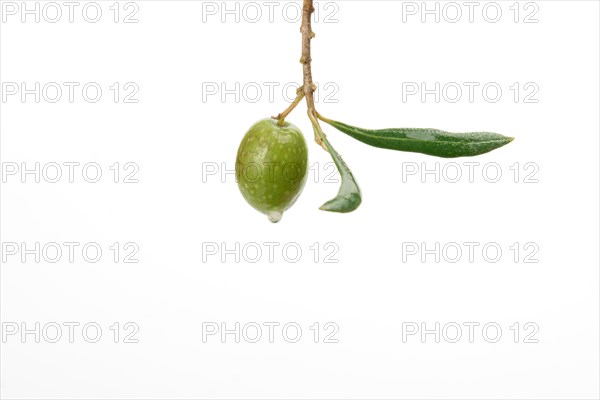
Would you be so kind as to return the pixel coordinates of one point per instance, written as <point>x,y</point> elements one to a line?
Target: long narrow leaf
<point>433,142</point>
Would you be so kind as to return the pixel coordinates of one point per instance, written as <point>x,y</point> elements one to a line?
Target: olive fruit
<point>271,167</point>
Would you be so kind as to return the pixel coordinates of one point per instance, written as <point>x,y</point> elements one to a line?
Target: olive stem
<point>281,117</point>
<point>322,118</point>
<point>305,60</point>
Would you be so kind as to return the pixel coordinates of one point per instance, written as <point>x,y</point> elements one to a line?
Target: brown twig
<point>309,86</point>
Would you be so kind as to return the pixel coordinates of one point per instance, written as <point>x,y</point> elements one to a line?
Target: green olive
<point>272,166</point>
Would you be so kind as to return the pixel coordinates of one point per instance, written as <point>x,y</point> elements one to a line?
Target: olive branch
<point>433,142</point>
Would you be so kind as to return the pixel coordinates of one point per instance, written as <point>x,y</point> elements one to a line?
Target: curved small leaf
<point>349,197</point>
<point>433,142</point>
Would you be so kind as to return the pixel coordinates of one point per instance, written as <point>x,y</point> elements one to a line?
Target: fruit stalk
<point>309,86</point>
<point>281,117</point>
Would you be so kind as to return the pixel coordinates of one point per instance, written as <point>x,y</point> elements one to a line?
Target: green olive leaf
<point>348,198</point>
<point>433,142</point>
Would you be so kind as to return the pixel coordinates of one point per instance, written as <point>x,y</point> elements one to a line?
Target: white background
<point>173,136</point>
